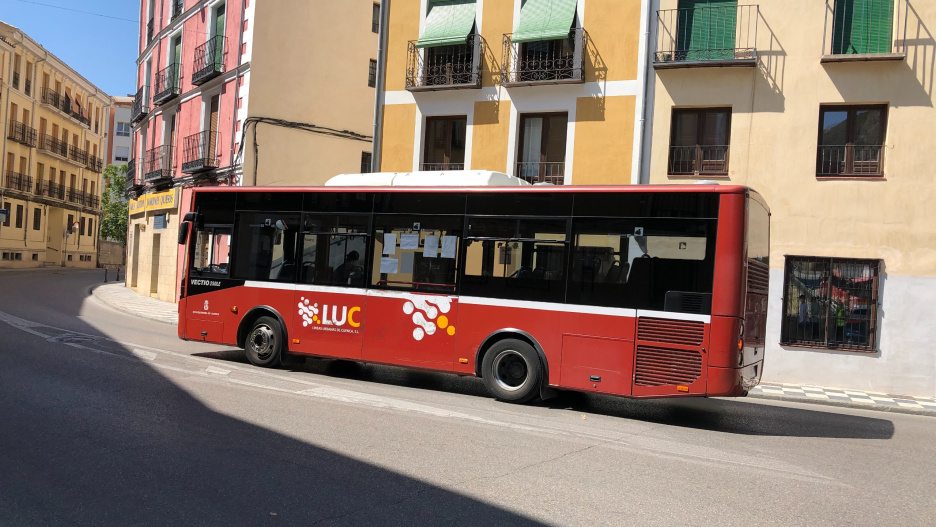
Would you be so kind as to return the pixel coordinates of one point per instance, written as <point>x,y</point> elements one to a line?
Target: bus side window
<point>416,253</point>
<point>265,246</point>
<point>334,249</point>
<point>212,249</point>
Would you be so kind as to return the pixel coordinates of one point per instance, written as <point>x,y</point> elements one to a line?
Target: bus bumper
<point>733,382</point>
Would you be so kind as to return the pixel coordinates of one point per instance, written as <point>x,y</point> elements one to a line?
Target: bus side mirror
<point>183,232</point>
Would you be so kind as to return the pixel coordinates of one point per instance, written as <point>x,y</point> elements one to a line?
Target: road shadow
<point>744,417</point>
<point>91,435</point>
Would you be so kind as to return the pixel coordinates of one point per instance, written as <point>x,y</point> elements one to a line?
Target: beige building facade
<point>828,114</point>
<point>54,139</point>
<point>546,90</point>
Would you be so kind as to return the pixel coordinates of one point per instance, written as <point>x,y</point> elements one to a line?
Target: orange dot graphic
<point>451,330</point>
<point>442,321</point>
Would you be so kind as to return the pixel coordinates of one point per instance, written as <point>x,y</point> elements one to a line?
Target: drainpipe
<point>237,73</point>
<point>645,92</point>
<point>379,96</point>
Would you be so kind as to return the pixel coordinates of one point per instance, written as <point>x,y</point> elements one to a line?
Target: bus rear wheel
<point>511,371</point>
<point>264,342</point>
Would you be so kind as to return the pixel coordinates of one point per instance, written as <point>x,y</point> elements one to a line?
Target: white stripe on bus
<point>499,302</point>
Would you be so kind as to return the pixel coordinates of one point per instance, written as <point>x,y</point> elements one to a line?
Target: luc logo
<point>206,305</point>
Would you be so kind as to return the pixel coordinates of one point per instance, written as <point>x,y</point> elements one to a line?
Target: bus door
<point>411,308</point>
<point>328,318</point>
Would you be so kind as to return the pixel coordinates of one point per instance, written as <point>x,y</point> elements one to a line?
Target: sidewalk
<point>126,300</point>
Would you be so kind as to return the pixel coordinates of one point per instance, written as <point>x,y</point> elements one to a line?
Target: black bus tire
<point>511,371</point>
<point>264,343</point>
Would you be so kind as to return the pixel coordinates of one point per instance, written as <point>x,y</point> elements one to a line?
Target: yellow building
<point>54,141</point>
<point>546,90</point>
<point>826,108</point>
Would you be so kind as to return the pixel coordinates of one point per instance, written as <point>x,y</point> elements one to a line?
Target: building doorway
<point>154,269</point>
<point>135,257</point>
<point>55,236</point>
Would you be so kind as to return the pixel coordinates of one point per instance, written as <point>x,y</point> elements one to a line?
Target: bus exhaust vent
<point>688,302</point>
<point>758,277</point>
<point>685,332</point>
<point>664,367</point>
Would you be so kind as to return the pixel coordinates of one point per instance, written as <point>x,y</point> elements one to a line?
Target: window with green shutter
<point>862,27</point>
<point>706,29</point>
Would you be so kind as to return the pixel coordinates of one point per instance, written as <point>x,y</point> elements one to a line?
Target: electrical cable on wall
<point>307,127</point>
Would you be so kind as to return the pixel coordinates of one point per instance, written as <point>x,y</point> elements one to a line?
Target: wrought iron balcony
<point>209,60</point>
<point>707,36</point>
<point>445,67</point>
<point>16,181</point>
<point>158,165</point>
<point>77,155</point>
<point>22,134</point>
<point>198,152</point>
<point>74,195</point>
<point>536,172</point>
<point>177,8</point>
<point>53,190</point>
<point>166,84</point>
<point>53,145</point>
<point>441,166</point>
<point>131,176</point>
<point>27,87</point>
<point>64,104</point>
<point>140,108</point>
<point>850,161</point>
<point>95,164</point>
<point>546,61</point>
<point>149,31</point>
<point>16,77</point>
<point>699,160</point>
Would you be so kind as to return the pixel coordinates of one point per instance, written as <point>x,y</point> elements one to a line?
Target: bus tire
<point>264,343</point>
<point>511,371</point>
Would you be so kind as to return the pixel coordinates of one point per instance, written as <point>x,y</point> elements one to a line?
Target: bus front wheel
<point>511,371</point>
<point>264,342</point>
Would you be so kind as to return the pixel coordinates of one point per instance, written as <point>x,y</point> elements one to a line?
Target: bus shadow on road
<point>744,417</point>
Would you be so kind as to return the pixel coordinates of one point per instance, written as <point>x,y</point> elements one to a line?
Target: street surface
<point>107,419</point>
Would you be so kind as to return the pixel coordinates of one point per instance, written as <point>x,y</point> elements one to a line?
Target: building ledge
<point>862,57</point>
<point>676,64</point>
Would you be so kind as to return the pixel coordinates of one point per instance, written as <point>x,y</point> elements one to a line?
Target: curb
<point>843,404</point>
<point>142,314</point>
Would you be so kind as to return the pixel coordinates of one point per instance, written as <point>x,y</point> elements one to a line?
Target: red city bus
<point>634,291</point>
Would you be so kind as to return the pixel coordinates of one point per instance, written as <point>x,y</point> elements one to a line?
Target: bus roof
<point>687,188</point>
<point>428,178</point>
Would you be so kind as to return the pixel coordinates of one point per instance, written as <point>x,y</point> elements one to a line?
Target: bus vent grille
<point>662,366</point>
<point>684,332</point>
<point>758,277</point>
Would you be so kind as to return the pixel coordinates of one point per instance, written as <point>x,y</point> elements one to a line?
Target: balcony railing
<point>53,190</point>
<point>53,145</point>
<point>23,134</point>
<point>536,172</point>
<point>77,155</point>
<point>209,60</point>
<point>442,166</point>
<point>699,160</point>
<point>16,77</point>
<point>131,175</point>
<point>140,108</point>
<point>545,61</point>
<point>158,165</point>
<point>95,164</point>
<point>705,36</point>
<point>198,152</point>
<point>445,67</point>
<point>149,31</point>
<point>166,84</point>
<point>63,104</point>
<point>16,181</point>
<point>850,161</point>
<point>27,87</point>
<point>177,8</point>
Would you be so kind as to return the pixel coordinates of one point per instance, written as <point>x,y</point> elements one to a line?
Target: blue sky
<point>103,50</point>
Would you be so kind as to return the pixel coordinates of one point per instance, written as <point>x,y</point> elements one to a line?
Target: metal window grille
<point>830,303</point>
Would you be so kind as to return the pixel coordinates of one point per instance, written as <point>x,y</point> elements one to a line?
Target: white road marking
<point>143,354</point>
<point>217,370</point>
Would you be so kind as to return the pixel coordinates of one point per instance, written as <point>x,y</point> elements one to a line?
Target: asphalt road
<point>106,419</point>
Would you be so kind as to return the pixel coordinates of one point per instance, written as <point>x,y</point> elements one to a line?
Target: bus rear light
<point>740,344</point>
<point>463,361</point>
<point>295,341</point>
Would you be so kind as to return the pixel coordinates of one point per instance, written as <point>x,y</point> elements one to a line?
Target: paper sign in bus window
<point>448,246</point>
<point>431,249</point>
<point>389,243</point>
<point>389,265</point>
<point>409,242</point>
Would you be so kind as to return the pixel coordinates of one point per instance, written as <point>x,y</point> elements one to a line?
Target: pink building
<point>193,74</point>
